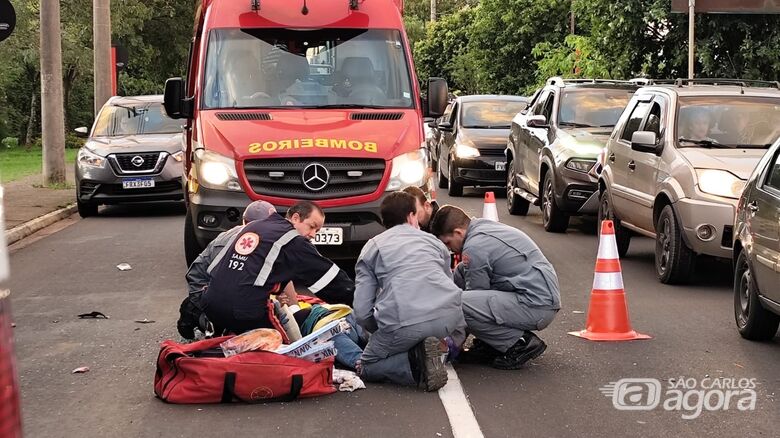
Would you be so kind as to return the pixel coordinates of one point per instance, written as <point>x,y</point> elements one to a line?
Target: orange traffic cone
<point>608,312</point>
<point>489,210</point>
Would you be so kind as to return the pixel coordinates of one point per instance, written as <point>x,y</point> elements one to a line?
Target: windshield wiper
<point>477,127</point>
<point>753,146</point>
<point>704,143</point>
<point>344,106</point>
<point>575,124</point>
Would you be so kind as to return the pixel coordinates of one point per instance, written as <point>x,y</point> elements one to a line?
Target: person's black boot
<point>427,364</point>
<point>527,348</point>
<point>480,352</point>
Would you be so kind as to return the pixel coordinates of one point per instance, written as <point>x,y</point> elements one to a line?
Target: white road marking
<point>462,420</point>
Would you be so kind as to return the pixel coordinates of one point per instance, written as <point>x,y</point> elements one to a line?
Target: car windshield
<point>728,121</point>
<point>322,68</point>
<point>593,107</point>
<point>491,114</point>
<point>134,119</point>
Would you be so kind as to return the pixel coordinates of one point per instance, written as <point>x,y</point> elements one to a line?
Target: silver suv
<point>677,162</point>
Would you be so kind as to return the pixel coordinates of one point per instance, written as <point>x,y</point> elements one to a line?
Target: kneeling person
<point>510,289</point>
<point>405,296</point>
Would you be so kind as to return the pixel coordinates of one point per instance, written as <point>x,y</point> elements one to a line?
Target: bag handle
<point>229,391</point>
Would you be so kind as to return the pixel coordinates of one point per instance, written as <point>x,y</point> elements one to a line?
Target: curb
<point>19,232</point>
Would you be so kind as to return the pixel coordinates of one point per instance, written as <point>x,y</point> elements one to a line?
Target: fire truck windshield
<point>321,68</point>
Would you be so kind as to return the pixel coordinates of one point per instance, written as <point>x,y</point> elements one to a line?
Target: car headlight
<point>410,169</point>
<point>720,183</point>
<point>90,159</point>
<point>216,171</point>
<point>466,151</point>
<point>580,164</point>
<point>178,156</point>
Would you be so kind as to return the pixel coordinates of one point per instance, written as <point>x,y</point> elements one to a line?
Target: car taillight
<point>10,409</point>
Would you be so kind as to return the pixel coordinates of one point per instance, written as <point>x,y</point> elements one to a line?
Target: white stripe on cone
<point>608,281</point>
<point>489,211</point>
<point>608,247</point>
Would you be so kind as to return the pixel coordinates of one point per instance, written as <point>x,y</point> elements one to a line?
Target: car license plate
<point>137,183</point>
<point>329,236</point>
<point>500,166</point>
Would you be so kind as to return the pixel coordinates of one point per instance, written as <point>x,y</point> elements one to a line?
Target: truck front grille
<point>147,162</point>
<point>283,178</point>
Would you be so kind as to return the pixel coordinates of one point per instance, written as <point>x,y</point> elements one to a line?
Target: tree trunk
<point>31,122</point>
<point>433,10</point>
<point>52,118</point>
<point>71,74</point>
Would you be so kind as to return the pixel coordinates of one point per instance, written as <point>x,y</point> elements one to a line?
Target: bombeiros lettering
<point>307,143</point>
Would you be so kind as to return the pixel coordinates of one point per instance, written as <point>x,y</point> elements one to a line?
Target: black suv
<point>554,145</point>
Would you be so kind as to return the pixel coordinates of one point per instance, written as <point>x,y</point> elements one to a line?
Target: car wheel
<point>192,248</point>
<point>753,320</point>
<point>553,218</point>
<point>86,209</point>
<point>455,188</point>
<point>517,205</point>
<point>674,261</point>
<point>442,179</point>
<point>622,235</point>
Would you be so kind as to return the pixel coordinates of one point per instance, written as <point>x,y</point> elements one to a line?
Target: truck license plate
<point>329,236</point>
<point>500,166</point>
<point>137,183</point>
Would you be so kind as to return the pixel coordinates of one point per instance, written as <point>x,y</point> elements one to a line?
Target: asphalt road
<point>72,270</point>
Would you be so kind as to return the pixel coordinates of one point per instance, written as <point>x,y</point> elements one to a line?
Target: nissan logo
<point>315,177</point>
<point>137,161</point>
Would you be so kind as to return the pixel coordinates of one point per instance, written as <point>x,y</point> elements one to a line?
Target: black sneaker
<point>426,360</point>
<point>480,352</point>
<point>527,348</point>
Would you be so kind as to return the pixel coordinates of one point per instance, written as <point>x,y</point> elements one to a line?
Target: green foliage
<point>10,142</point>
<point>17,163</point>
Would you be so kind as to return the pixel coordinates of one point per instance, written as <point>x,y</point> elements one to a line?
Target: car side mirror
<point>437,97</point>
<point>176,105</point>
<point>646,141</point>
<point>445,126</point>
<point>433,124</point>
<point>537,122</point>
<point>82,132</point>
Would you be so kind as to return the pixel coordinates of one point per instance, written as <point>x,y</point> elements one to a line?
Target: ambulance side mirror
<point>176,105</point>
<point>437,97</point>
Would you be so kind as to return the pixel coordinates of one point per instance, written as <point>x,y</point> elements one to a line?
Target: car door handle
<point>753,207</point>
<point>632,165</point>
<point>612,158</point>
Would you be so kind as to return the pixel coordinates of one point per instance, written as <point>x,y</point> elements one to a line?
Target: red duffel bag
<point>199,373</point>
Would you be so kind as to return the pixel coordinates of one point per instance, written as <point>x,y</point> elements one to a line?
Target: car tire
<point>554,219</point>
<point>754,322</point>
<point>517,205</point>
<point>442,179</point>
<point>454,188</point>
<point>674,261</point>
<point>192,248</point>
<point>606,212</point>
<point>86,209</point>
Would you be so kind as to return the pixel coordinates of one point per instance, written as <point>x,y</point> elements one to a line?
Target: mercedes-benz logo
<point>315,177</point>
<point>137,161</point>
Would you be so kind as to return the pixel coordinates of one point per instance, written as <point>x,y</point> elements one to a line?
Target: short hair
<point>447,219</point>
<point>417,193</point>
<point>304,209</point>
<point>258,211</point>
<point>396,207</point>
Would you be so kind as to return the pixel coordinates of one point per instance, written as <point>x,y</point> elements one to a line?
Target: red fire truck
<point>289,100</point>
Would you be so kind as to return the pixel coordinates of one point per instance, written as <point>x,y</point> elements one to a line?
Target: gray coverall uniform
<point>509,286</point>
<point>404,293</point>
<point>197,276</point>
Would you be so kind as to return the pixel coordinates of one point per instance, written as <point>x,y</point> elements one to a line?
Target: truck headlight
<point>466,151</point>
<point>90,159</point>
<point>216,171</point>
<point>580,164</point>
<point>720,183</point>
<point>410,169</point>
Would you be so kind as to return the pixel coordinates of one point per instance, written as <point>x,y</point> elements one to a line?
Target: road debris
<point>80,370</point>
<point>93,315</point>
<point>124,267</point>
<point>578,312</point>
<point>145,321</point>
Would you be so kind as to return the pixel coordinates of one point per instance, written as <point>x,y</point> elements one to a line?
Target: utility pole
<point>101,44</point>
<point>433,10</point>
<point>691,36</point>
<point>52,112</point>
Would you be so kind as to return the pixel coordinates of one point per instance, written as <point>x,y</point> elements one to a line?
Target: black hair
<point>304,209</point>
<point>447,219</point>
<point>396,207</point>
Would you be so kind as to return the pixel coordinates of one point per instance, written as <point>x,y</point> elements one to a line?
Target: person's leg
<point>347,350</point>
<point>386,356</point>
<point>488,315</point>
